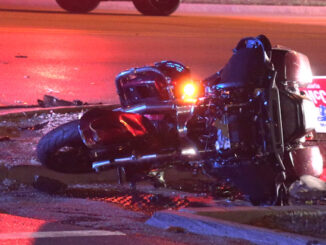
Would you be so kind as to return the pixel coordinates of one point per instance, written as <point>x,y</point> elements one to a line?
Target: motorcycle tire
<point>78,6</point>
<point>62,150</point>
<point>156,7</point>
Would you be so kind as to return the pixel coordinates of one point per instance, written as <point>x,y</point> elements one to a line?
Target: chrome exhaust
<point>184,155</point>
<point>132,160</point>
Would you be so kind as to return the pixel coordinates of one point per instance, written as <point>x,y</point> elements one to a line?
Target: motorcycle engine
<point>235,118</point>
<point>231,122</point>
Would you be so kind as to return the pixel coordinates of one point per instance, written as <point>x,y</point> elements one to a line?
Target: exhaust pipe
<point>185,154</point>
<point>146,108</point>
<point>132,160</point>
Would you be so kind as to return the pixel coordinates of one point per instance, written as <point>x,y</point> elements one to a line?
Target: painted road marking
<point>319,77</point>
<point>51,234</point>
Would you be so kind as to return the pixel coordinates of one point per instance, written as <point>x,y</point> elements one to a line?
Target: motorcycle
<point>245,123</point>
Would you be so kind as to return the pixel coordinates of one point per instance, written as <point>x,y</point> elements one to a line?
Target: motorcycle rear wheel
<point>62,150</point>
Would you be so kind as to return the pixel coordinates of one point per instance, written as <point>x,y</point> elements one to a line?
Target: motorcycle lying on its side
<point>246,123</point>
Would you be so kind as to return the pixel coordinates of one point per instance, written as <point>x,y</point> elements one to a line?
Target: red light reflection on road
<point>323,175</point>
<point>67,64</point>
<point>150,203</point>
<point>12,223</point>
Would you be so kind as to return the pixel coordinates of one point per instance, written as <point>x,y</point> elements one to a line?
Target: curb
<point>26,174</point>
<point>187,220</point>
<point>238,9</point>
<point>211,8</point>
<point>29,112</point>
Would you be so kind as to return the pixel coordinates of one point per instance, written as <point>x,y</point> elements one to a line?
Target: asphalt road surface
<point>77,56</point>
<point>29,217</point>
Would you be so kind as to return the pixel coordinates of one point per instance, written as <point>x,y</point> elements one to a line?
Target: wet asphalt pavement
<point>38,218</point>
<point>96,201</point>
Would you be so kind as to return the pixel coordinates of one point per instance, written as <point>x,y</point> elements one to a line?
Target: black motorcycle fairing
<point>106,127</point>
<point>261,41</point>
<point>174,70</point>
<point>141,85</point>
<point>246,68</point>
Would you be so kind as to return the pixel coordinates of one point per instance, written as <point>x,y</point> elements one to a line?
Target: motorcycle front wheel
<point>62,150</point>
<point>78,6</point>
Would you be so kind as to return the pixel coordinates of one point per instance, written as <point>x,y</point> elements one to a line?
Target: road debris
<point>51,101</point>
<point>21,56</point>
<point>308,190</point>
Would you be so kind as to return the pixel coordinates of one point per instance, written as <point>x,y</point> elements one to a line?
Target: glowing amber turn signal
<point>189,90</point>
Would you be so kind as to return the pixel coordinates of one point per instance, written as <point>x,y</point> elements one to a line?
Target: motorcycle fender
<point>107,127</point>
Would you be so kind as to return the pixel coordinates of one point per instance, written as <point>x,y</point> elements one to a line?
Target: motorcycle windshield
<point>246,68</point>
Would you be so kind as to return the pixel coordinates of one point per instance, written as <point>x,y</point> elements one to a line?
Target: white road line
<point>51,234</point>
<point>319,77</point>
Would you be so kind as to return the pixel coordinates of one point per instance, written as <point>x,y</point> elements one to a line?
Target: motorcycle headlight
<point>310,115</point>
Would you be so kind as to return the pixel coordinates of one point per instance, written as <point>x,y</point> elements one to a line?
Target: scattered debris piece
<point>36,126</point>
<point>35,162</point>
<point>308,188</point>
<point>48,185</point>
<point>9,132</point>
<point>10,184</point>
<point>21,56</point>
<point>50,90</point>
<point>51,101</point>
<point>176,229</point>
<point>5,138</point>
